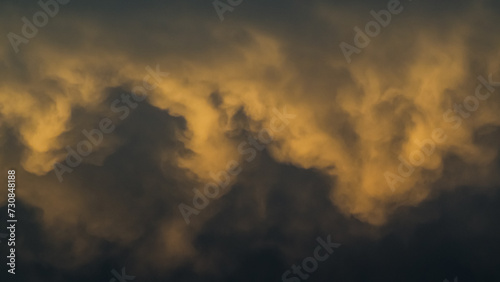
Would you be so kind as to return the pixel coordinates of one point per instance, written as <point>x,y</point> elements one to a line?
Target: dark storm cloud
<point>322,175</point>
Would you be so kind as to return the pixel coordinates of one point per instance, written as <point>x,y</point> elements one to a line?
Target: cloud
<point>326,169</point>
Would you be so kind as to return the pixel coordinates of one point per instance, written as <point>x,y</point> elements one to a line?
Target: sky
<point>237,140</point>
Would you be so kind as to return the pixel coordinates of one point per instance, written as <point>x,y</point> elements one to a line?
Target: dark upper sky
<point>223,141</point>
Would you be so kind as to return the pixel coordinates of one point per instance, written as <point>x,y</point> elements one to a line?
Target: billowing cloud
<point>395,126</point>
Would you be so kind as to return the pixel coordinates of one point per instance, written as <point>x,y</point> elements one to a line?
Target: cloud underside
<point>357,125</point>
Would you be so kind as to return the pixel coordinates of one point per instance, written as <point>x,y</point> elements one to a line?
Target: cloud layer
<point>330,171</point>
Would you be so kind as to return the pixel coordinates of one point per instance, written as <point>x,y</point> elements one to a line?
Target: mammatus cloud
<point>353,121</point>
